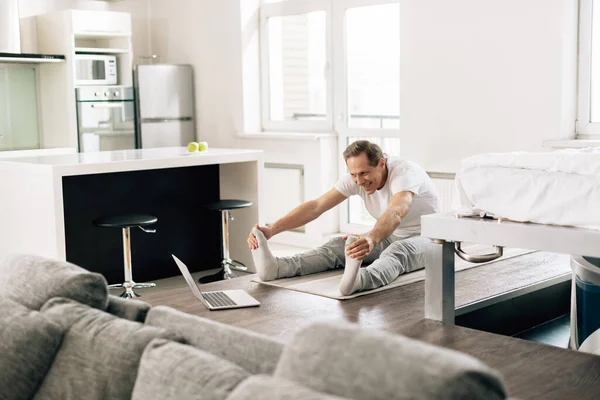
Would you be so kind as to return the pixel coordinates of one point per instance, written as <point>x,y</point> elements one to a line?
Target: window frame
<point>584,127</point>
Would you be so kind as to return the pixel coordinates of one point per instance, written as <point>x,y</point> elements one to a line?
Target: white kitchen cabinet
<point>100,23</point>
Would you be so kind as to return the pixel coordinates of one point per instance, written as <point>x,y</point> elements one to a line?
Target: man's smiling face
<point>368,177</point>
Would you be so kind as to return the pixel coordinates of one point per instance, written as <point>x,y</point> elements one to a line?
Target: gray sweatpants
<point>392,257</point>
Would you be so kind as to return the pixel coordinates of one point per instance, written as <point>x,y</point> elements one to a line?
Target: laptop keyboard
<point>218,299</point>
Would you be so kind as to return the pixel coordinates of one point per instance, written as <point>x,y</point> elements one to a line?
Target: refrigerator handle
<point>159,120</point>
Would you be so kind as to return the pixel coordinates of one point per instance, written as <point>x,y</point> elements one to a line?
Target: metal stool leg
<point>228,263</point>
<point>129,284</point>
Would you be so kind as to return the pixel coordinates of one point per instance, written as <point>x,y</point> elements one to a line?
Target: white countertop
<point>37,152</point>
<point>127,160</point>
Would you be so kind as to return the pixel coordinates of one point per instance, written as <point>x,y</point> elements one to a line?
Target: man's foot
<point>351,281</point>
<point>264,260</point>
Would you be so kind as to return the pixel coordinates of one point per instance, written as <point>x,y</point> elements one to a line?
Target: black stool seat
<point>221,205</point>
<point>125,220</point>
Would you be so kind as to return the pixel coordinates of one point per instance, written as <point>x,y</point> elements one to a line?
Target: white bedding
<point>560,188</point>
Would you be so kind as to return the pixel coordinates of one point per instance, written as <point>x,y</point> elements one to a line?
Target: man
<point>396,193</point>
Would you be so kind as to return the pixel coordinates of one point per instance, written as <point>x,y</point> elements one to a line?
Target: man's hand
<point>360,248</point>
<point>252,242</point>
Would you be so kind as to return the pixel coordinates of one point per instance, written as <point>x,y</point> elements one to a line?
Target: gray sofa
<point>63,337</point>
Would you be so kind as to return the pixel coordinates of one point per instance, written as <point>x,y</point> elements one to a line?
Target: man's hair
<point>373,151</point>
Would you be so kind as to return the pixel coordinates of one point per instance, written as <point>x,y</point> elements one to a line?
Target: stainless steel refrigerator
<point>165,104</point>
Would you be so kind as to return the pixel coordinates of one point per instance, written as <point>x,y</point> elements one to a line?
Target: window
<point>589,69</point>
<point>373,66</point>
<point>322,58</point>
<point>295,66</point>
<point>333,66</point>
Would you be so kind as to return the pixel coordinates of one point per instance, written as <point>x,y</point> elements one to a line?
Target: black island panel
<point>176,196</point>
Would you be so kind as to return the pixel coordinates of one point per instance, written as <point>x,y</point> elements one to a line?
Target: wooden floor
<point>531,370</point>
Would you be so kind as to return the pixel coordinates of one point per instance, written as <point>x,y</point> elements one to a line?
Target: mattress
<point>558,188</point>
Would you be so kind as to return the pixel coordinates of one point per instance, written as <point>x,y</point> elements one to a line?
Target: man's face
<point>364,175</point>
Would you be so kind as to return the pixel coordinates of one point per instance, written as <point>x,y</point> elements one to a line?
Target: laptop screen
<point>189,279</point>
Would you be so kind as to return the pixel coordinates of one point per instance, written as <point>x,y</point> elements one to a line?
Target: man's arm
<point>389,221</point>
<point>307,212</point>
<point>385,226</point>
<point>299,216</point>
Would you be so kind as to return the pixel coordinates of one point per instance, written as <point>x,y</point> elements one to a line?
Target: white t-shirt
<point>403,175</point>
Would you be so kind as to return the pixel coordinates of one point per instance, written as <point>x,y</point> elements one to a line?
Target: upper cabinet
<point>100,23</point>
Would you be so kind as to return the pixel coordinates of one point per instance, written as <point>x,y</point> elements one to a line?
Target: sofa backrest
<point>170,370</point>
<point>32,281</point>
<point>99,355</point>
<point>28,344</point>
<point>350,361</point>
<point>258,354</point>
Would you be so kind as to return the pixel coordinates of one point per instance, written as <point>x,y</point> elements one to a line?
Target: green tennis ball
<point>192,147</point>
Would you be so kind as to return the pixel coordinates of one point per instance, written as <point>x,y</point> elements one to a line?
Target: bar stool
<point>227,264</point>
<point>125,222</point>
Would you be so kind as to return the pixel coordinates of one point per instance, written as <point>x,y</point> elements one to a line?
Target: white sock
<point>351,281</point>
<point>264,260</point>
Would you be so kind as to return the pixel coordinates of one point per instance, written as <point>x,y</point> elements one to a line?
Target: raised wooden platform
<point>531,370</point>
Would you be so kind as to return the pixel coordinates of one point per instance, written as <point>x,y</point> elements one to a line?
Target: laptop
<point>223,300</point>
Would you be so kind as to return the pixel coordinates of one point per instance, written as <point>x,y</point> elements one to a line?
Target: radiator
<point>444,182</point>
<point>284,187</point>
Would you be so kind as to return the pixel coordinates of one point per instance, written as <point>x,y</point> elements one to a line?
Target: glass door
<point>18,108</point>
<point>106,125</point>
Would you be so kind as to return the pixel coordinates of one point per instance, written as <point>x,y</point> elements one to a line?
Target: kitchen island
<point>48,203</point>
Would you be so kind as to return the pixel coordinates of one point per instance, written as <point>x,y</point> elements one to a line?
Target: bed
<point>538,201</point>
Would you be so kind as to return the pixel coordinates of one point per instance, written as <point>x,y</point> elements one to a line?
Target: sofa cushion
<point>258,354</point>
<point>33,280</point>
<point>170,370</point>
<point>28,345</point>
<point>364,364</point>
<point>99,355</point>
<point>133,310</point>
<point>269,388</point>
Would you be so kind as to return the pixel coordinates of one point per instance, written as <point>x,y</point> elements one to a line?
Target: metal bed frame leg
<point>439,282</point>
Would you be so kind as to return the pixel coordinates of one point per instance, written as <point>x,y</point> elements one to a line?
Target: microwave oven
<point>95,69</point>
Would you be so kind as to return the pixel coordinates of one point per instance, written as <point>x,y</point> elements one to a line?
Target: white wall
<point>137,8</point>
<point>207,35</point>
<point>480,76</point>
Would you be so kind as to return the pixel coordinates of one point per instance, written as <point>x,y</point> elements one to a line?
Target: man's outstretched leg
<point>400,257</point>
<point>323,258</point>
<point>351,281</point>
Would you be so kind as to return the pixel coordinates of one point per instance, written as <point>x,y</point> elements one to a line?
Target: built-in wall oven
<point>105,118</point>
